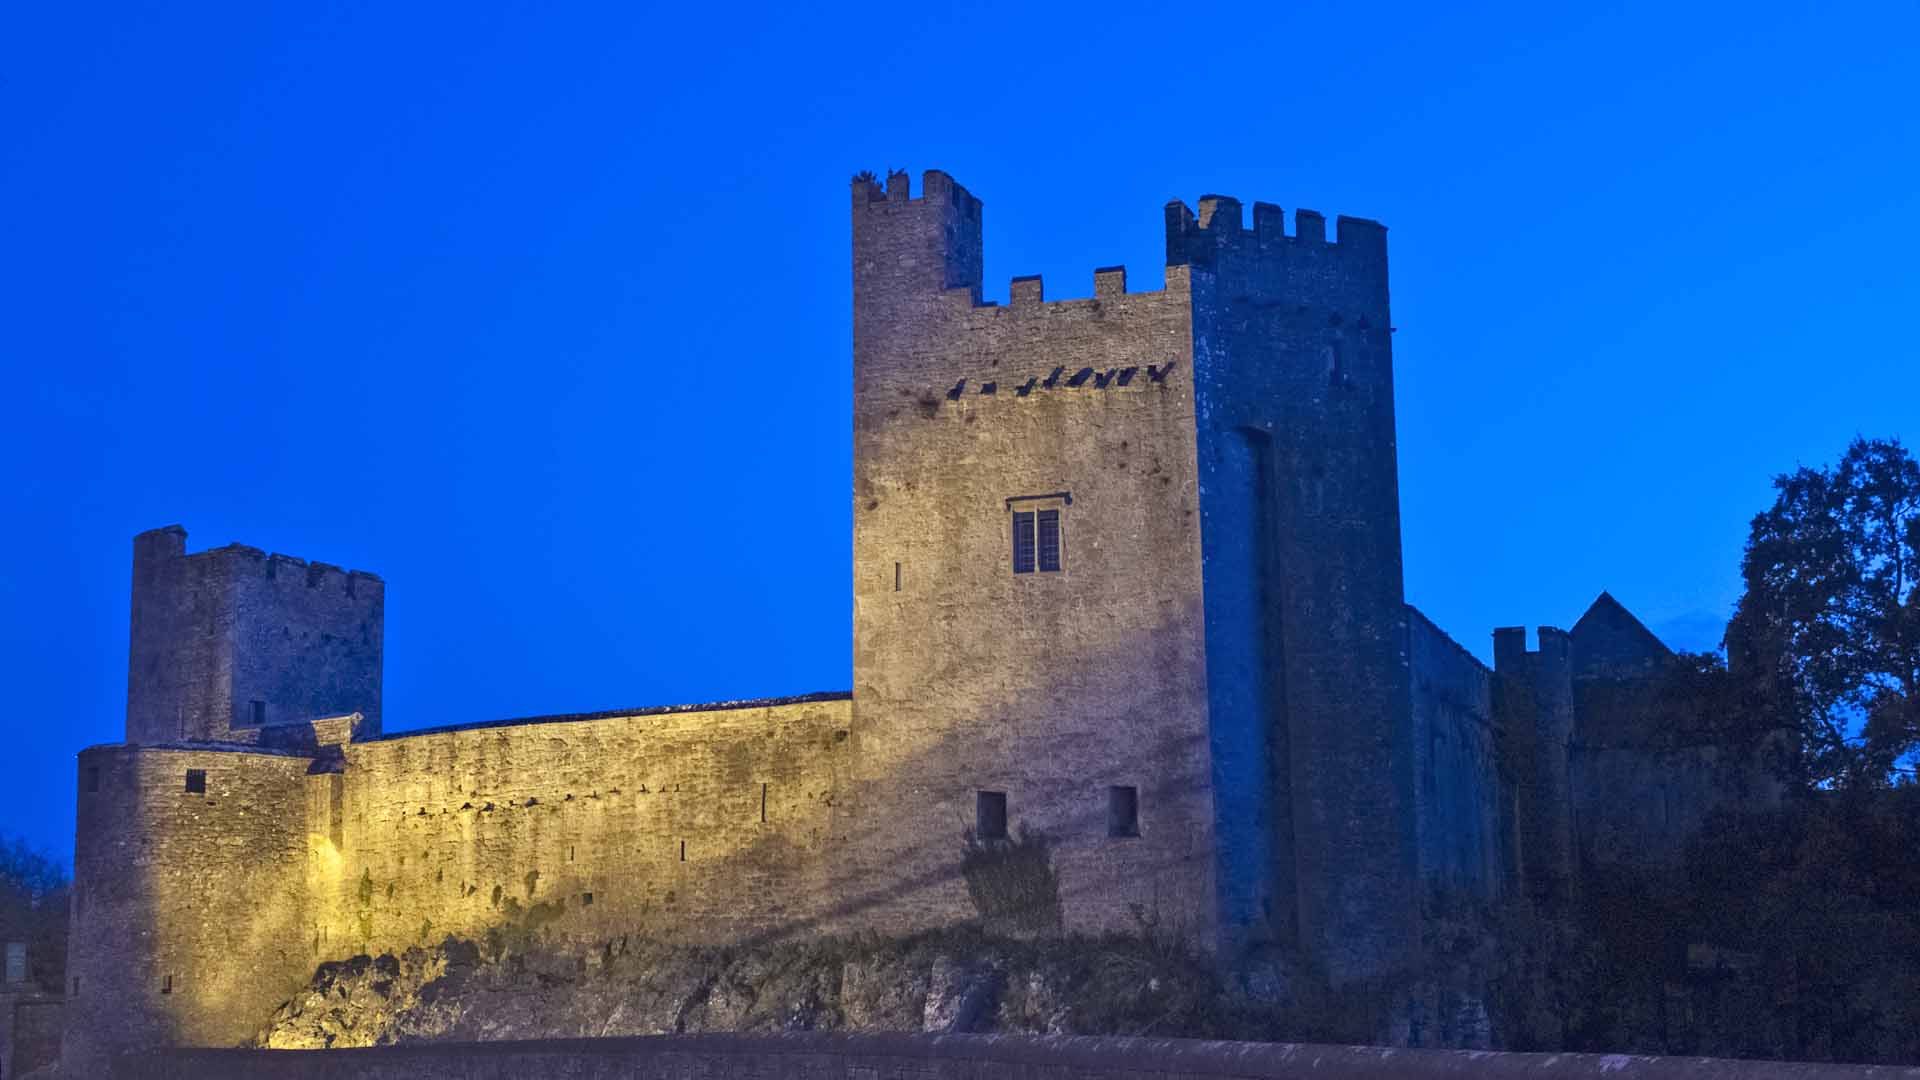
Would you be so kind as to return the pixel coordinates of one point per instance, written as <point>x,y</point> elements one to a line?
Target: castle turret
<point>1534,704</point>
<point>236,645</point>
<point>908,253</point>
<point>192,846</point>
<point>189,909</point>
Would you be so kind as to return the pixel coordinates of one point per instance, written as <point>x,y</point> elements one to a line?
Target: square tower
<point>236,645</point>
<point>1144,542</point>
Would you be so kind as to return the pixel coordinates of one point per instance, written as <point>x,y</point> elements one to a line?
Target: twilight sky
<point>541,311</point>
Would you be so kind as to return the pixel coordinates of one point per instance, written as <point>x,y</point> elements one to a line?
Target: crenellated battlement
<point>1220,225</point>
<point>1511,655</point>
<point>232,640</point>
<point>936,187</point>
<point>1029,291</point>
<point>282,568</point>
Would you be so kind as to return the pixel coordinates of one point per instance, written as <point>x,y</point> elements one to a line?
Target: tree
<point>1829,628</point>
<point>33,909</point>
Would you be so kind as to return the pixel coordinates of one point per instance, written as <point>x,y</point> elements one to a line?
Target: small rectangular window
<point>1123,811</point>
<point>93,778</point>
<point>1023,542</point>
<point>76,987</point>
<point>990,815</point>
<point>586,899</point>
<point>259,714</point>
<point>166,984</point>
<point>1049,540</point>
<point>16,962</point>
<point>197,781</point>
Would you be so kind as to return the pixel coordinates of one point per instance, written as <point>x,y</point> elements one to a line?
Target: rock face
<point>942,982</point>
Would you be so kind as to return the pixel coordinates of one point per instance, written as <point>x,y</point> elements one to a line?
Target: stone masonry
<point>1127,592</point>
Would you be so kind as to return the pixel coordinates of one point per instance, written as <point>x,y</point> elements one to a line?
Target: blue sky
<point>541,311</point>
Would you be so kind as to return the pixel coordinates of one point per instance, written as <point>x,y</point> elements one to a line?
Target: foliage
<point>33,908</point>
<point>1829,628</point>
<point>1825,894</point>
<point>1791,934</point>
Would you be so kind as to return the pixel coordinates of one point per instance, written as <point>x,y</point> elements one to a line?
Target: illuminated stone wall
<point>1048,687</point>
<point>1215,717</point>
<point>196,912</point>
<point>189,907</point>
<point>711,822</point>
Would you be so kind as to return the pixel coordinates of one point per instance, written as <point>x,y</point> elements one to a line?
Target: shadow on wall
<point>1012,883</point>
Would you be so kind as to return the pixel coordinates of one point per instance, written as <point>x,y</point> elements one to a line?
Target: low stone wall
<point>814,1056</point>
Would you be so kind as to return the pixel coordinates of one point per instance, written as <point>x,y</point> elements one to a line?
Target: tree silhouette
<point>1829,627</point>
<point>33,909</point>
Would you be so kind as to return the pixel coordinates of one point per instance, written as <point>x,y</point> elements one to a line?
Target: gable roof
<point>1610,640</point>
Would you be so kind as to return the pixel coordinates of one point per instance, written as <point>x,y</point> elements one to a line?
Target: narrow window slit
<point>990,815</point>
<point>1123,811</point>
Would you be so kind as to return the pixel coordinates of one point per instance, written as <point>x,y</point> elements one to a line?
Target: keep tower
<point>1220,643</point>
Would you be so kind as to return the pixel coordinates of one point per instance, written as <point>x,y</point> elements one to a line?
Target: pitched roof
<point>1609,639</point>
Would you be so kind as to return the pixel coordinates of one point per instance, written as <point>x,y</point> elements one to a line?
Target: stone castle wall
<point>711,822</point>
<point>1051,688</point>
<point>189,907</point>
<point>1460,802</point>
<point>1216,718</point>
<point>1646,776</point>
<point>195,912</point>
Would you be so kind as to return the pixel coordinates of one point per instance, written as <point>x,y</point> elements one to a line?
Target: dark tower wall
<point>1048,687</point>
<point>1533,698</point>
<point>1293,371</point>
<point>216,631</point>
<point>1458,790</point>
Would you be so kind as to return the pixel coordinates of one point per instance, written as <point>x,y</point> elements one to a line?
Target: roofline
<point>614,714</point>
<point>1608,596</point>
<point>1448,638</point>
<point>203,747</point>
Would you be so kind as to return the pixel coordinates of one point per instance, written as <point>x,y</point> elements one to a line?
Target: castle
<point>1127,587</point>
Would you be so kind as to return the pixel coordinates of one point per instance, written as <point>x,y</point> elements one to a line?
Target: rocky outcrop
<point>952,981</point>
